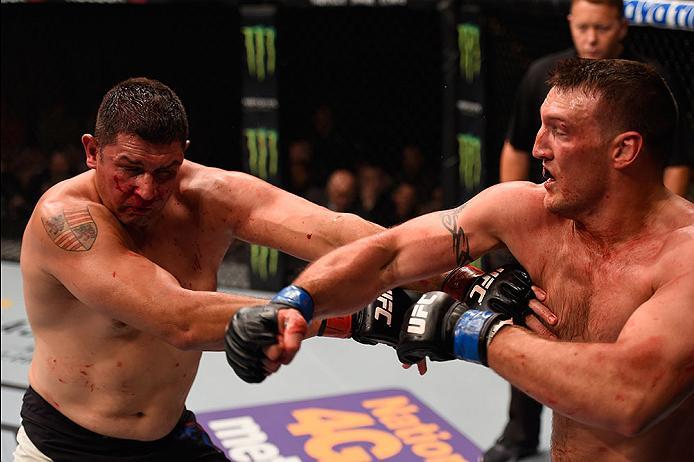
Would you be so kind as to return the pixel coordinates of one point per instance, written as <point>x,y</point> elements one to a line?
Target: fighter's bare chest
<point>593,295</point>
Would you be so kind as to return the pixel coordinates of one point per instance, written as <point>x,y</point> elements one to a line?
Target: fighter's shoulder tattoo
<point>461,244</point>
<point>72,229</point>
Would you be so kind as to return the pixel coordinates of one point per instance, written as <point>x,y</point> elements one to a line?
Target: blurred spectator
<point>341,191</point>
<point>301,180</point>
<point>375,203</point>
<point>405,200</point>
<point>331,150</point>
<point>14,130</point>
<point>415,170</point>
<point>63,164</point>
<point>21,188</point>
<point>435,202</point>
<point>56,127</point>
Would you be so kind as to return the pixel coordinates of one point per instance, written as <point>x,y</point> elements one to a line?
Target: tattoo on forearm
<point>461,245</point>
<point>73,230</point>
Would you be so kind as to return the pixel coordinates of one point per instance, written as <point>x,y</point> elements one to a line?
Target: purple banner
<point>384,425</point>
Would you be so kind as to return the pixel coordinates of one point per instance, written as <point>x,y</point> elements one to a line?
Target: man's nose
<point>540,149</point>
<point>592,36</point>
<point>145,187</point>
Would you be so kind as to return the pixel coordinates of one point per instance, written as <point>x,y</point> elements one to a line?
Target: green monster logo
<point>469,49</point>
<point>263,155</point>
<point>264,261</point>
<point>260,51</point>
<point>263,163</point>
<point>470,161</point>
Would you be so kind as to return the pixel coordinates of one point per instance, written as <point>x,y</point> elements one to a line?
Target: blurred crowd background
<point>360,90</point>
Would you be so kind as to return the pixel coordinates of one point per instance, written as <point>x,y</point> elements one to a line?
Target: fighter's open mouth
<point>546,174</point>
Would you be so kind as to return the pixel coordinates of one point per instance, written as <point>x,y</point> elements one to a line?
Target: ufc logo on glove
<point>419,315</point>
<point>481,289</point>
<point>386,308</point>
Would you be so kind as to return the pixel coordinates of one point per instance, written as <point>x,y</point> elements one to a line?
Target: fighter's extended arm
<point>351,276</point>
<point>625,386</point>
<point>263,214</point>
<point>90,254</point>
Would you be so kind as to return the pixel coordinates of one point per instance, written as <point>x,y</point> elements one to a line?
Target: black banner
<point>470,104</point>
<point>260,125</point>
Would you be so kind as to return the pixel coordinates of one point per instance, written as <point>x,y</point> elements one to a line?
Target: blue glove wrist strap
<point>298,298</point>
<point>466,335</point>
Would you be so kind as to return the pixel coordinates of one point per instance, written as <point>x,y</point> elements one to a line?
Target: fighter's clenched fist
<point>259,339</point>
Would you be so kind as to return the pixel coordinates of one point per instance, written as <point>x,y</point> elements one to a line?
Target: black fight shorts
<point>61,439</point>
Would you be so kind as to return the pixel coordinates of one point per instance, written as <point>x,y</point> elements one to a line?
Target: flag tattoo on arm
<point>73,229</point>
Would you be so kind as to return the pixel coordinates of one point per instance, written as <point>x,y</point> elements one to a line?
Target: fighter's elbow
<point>632,427</point>
<point>635,418</point>
<point>350,226</point>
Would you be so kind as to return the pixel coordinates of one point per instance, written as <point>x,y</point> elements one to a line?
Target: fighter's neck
<point>617,219</point>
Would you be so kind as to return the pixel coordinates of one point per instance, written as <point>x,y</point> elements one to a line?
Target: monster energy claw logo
<point>470,158</point>
<point>264,262</point>
<point>260,51</point>
<point>469,49</point>
<point>261,144</point>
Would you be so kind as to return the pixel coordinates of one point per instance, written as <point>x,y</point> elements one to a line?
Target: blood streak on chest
<point>197,266</point>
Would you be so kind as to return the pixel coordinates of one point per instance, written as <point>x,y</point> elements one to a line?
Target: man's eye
<point>164,174</point>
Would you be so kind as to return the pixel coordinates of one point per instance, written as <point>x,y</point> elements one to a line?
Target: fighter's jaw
<point>138,217</point>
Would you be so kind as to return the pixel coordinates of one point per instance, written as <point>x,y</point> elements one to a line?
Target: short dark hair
<point>616,4</point>
<point>632,94</point>
<point>143,107</point>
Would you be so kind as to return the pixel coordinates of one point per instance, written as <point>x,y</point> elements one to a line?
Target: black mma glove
<point>507,289</point>
<point>442,328</point>
<point>251,329</point>
<point>379,322</point>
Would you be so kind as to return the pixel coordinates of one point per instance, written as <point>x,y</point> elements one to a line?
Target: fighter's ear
<point>626,148</point>
<point>187,145</point>
<point>91,149</point>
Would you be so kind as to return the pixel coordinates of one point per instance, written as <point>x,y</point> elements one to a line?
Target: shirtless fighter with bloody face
<point>612,247</point>
<point>120,265</point>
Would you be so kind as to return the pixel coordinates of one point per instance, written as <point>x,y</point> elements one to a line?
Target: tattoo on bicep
<point>461,244</point>
<point>73,230</point>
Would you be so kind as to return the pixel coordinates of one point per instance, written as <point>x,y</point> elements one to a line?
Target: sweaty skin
<point>613,250</point>
<point>119,268</point>
<point>620,378</point>
<point>581,281</point>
